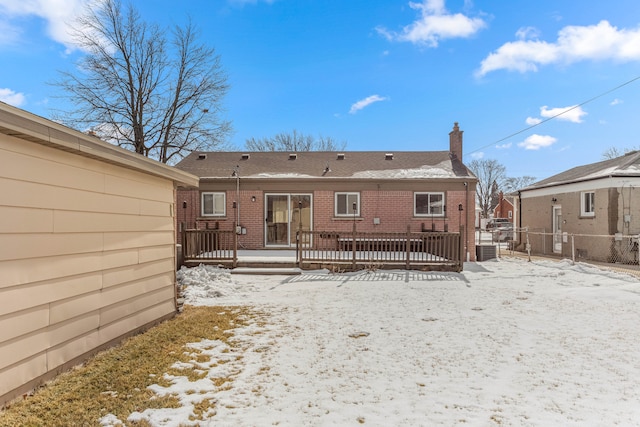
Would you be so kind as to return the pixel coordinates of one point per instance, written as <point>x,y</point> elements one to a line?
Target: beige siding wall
<point>87,255</point>
<point>537,213</point>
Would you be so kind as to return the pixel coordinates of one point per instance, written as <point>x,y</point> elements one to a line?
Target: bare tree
<point>135,88</point>
<point>511,184</point>
<point>294,141</point>
<point>492,180</point>
<point>490,174</point>
<point>613,152</point>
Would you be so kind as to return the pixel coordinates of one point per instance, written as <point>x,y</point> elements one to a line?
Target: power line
<point>557,115</point>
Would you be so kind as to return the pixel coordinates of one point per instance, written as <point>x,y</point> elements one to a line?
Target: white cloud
<point>503,146</point>
<point>58,15</point>
<point>435,23</point>
<point>616,101</point>
<point>571,114</point>
<point>527,33</point>
<point>532,121</point>
<point>365,103</point>
<point>575,43</point>
<point>9,33</point>
<point>477,155</point>
<point>535,142</point>
<point>12,98</point>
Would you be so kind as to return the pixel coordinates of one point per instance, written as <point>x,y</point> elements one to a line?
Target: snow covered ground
<point>508,343</point>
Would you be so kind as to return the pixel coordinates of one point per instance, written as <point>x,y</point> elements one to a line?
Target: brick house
<point>596,199</point>
<point>267,194</point>
<point>504,208</point>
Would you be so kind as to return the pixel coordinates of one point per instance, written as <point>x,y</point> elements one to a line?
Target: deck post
<point>353,248</point>
<point>461,248</point>
<point>407,248</point>
<point>235,245</point>
<point>299,247</point>
<point>299,235</point>
<point>184,239</point>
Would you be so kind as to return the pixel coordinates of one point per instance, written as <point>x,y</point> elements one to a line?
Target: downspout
<point>466,219</point>
<point>238,197</point>
<point>519,225</point>
<point>236,173</point>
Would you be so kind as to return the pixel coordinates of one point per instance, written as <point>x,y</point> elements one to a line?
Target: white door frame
<point>289,219</point>
<point>557,228</point>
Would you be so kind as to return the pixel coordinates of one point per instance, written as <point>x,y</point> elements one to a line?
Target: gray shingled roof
<point>627,165</point>
<point>314,164</point>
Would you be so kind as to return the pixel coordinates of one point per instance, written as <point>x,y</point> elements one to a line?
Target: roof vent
<point>340,156</point>
<point>388,156</point>
<point>293,156</point>
<point>245,156</point>
<point>202,156</point>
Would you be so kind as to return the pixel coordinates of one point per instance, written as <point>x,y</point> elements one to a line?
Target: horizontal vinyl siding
<point>22,372</point>
<point>86,256</point>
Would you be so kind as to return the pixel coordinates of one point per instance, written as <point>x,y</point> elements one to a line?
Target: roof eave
<point>21,124</point>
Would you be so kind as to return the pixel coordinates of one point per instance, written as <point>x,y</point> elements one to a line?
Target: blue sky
<point>389,74</point>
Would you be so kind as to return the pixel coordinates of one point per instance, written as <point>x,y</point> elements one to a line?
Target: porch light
<point>253,198</point>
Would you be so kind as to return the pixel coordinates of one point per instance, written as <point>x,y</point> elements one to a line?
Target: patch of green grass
<point>115,381</point>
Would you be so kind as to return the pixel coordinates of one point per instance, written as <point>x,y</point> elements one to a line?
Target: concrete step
<point>285,271</point>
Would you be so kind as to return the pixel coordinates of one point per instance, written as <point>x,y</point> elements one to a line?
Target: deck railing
<point>361,249</point>
<point>348,250</point>
<point>210,245</point>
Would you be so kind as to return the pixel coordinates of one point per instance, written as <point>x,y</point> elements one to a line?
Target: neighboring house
<point>504,208</point>
<point>268,194</point>
<point>87,247</point>
<point>597,199</point>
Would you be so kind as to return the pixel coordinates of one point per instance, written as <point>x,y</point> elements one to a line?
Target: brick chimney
<point>455,142</point>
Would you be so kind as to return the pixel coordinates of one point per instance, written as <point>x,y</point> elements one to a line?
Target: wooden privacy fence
<point>354,250</point>
<point>210,245</point>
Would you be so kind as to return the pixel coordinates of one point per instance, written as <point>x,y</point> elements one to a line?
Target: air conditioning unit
<point>485,252</point>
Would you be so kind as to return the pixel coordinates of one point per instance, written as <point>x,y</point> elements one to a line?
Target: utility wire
<point>557,115</point>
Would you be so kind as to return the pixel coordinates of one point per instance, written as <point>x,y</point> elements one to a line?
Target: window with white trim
<point>587,203</point>
<point>345,202</point>
<point>213,204</point>
<point>428,204</point>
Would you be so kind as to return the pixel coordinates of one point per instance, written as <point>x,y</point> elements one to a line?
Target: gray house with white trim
<point>600,199</point>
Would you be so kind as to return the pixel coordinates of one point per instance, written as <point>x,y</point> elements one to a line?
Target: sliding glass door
<point>285,214</point>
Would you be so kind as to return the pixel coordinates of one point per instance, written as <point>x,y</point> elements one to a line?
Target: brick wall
<point>394,209</point>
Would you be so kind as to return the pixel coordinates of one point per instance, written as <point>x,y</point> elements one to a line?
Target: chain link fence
<point>619,252</point>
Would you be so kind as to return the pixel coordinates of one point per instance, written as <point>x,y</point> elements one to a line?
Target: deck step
<point>285,271</point>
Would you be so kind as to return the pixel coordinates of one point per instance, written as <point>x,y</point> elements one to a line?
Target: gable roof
<point>326,165</point>
<point>623,166</point>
